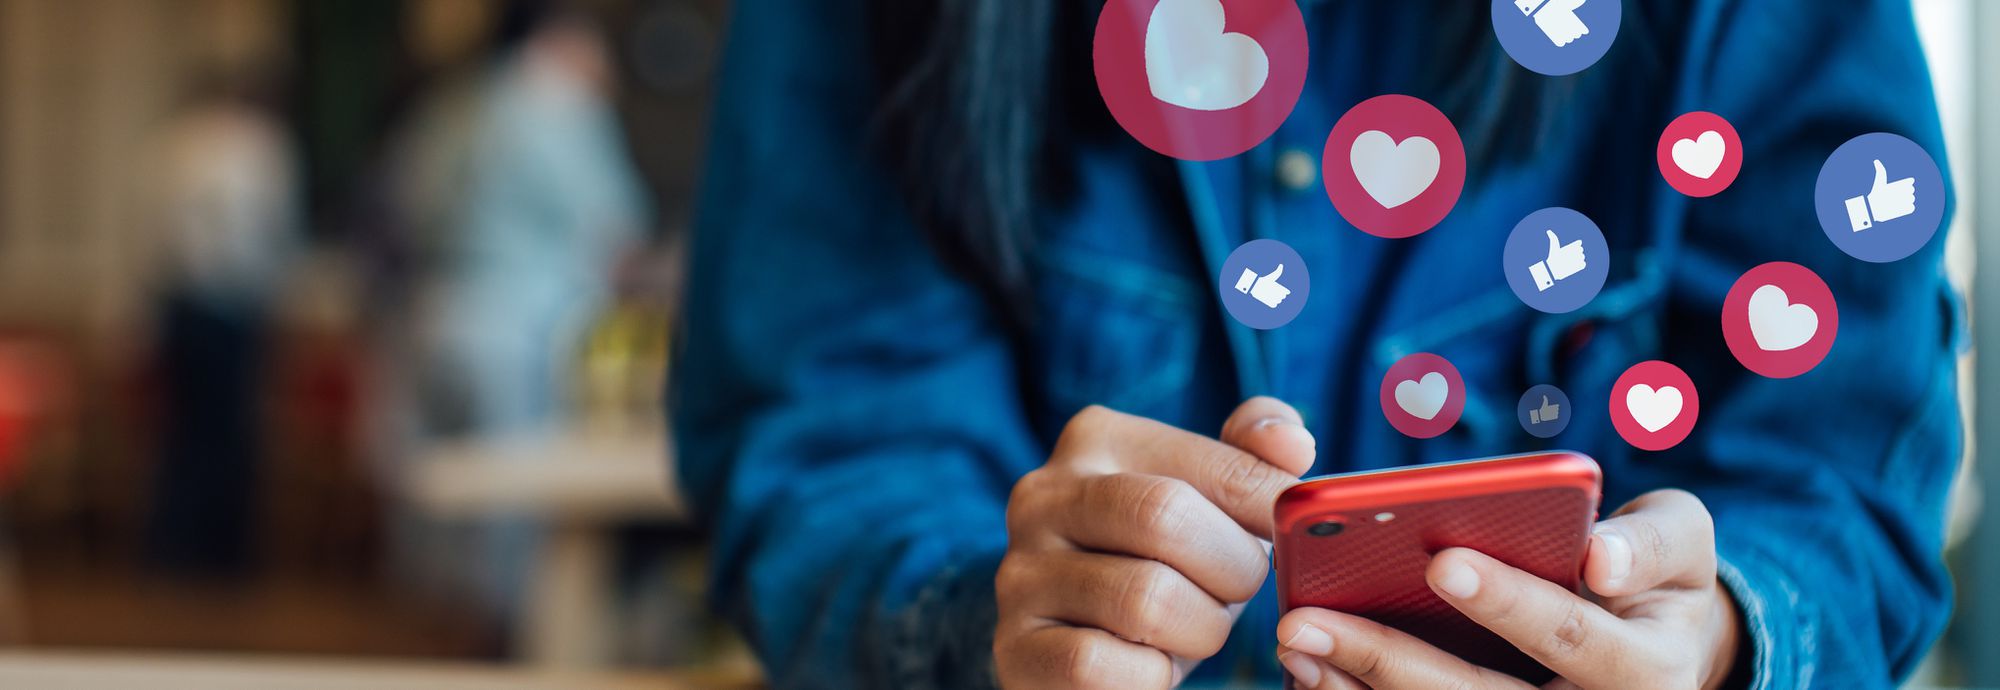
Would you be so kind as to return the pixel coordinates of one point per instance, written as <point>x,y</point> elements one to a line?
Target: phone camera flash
<point>1384,517</point>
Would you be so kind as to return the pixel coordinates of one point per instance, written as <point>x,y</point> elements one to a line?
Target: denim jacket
<point>851,414</point>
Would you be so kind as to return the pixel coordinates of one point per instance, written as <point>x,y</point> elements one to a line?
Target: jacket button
<point>1297,170</point>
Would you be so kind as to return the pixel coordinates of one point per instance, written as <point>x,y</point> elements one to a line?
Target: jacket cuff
<point>1779,624</point>
<point>944,637</point>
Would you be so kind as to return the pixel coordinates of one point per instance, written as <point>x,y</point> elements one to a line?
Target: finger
<point>1555,245</point>
<point>1312,673</point>
<point>1166,520</point>
<point>1275,273</point>
<point>1881,173</point>
<point>1380,656</point>
<point>1239,483</point>
<point>1662,539</point>
<point>1271,430</point>
<point>1136,599</point>
<point>1575,638</point>
<point>1059,656</point>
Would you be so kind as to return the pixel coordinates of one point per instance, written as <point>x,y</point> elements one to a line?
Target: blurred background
<point>332,336</point>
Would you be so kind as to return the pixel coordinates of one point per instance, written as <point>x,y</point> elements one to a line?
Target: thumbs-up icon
<point>1885,201</point>
<point>1541,411</point>
<point>1548,413</point>
<point>1556,18</point>
<point>1264,288</point>
<point>1264,284</point>
<point>1564,260</point>
<point>1549,275</point>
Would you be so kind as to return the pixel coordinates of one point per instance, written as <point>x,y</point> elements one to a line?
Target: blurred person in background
<point>427,174</point>
<point>222,191</point>
<point>540,202</point>
<point>548,205</point>
<point>924,252</point>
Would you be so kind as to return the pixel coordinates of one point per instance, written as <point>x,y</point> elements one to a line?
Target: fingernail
<point>1304,669</point>
<point>1460,581</point>
<point>1311,640</point>
<point>1294,429</point>
<point>1617,554</point>
<point>1261,424</point>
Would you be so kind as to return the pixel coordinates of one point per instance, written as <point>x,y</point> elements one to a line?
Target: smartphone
<point>1359,543</point>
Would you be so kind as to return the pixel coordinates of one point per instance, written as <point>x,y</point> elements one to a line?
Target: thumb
<point>1280,270</point>
<point>1881,174</point>
<point>1545,402</point>
<point>1274,432</point>
<point>1555,244</point>
<point>1663,538</point>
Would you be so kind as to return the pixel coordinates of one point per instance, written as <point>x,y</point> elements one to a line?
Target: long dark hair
<point>971,111</point>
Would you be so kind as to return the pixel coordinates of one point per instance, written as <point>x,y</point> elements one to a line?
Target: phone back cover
<point>1376,569</point>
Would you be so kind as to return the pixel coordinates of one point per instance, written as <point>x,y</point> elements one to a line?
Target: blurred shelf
<point>583,483</point>
<point>90,671</point>
<point>572,476</point>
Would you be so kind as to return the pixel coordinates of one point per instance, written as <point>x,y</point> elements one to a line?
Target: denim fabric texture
<point>851,414</point>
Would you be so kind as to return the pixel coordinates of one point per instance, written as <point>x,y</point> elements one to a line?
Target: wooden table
<point>582,482</point>
<point>66,670</point>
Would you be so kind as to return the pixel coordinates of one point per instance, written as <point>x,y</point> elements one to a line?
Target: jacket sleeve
<point>1828,489</point>
<point>846,411</point>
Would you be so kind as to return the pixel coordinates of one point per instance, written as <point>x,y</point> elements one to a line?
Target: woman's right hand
<point>1131,552</point>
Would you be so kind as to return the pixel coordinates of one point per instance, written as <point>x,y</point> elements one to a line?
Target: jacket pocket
<point>1112,332</point>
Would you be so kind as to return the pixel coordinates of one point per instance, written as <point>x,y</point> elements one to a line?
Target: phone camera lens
<point>1325,529</point>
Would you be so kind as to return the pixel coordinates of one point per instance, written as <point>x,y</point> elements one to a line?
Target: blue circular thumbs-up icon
<point>1544,411</point>
<point>1264,284</point>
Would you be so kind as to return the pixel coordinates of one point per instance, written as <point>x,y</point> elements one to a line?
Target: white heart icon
<point>1653,409</point>
<point>1701,155</point>
<point>1776,323</point>
<point>1423,398</point>
<point>1393,173</point>
<point>1192,63</point>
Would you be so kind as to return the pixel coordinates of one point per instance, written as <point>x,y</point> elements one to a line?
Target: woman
<point>925,252</point>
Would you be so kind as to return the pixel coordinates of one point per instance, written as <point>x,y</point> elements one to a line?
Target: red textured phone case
<point>1533,512</point>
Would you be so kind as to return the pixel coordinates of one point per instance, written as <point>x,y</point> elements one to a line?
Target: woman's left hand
<point>1660,618</point>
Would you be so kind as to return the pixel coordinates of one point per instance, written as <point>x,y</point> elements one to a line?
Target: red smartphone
<point>1359,543</point>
